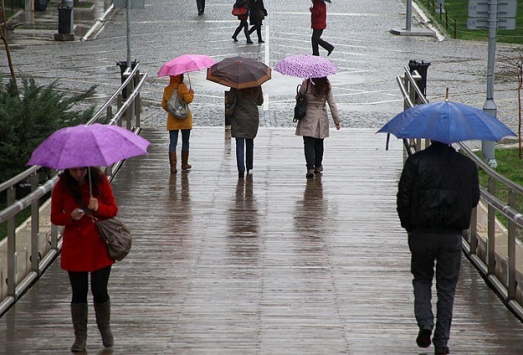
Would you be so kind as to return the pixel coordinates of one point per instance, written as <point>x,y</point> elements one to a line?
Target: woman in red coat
<point>318,24</point>
<point>83,251</point>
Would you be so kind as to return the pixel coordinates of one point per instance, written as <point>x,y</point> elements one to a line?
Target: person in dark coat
<point>318,24</point>
<point>437,191</point>
<point>201,6</point>
<point>243,22</point>
<point>244,125</point>
<point>257,13</point>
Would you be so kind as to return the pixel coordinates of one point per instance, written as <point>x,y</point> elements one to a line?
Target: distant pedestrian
<point>437,191</point>
<point>201,6</point>
<point>174,125</point>
<point>257,13</point>
<point>314,127</point>
<point>244,125</point>
<point>318,24</point>
<point>84,253</point>
<point>243,21</point>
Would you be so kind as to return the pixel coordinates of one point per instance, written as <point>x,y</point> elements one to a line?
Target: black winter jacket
<point>437,191</point>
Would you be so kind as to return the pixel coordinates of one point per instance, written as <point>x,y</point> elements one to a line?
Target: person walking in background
<point>257,13</point>
<point>318,24</point>
<point>201,6</point>
<point>84,252</point>
<point>437,191</point>
<point>244,125</point>
<point>242,4</point>
<point>174,125</point>
<point>314,127</point>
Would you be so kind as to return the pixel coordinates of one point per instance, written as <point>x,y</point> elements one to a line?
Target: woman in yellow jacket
<point>174,125</point>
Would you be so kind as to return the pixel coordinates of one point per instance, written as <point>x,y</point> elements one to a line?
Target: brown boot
<point>103,320</point>
<point>79,317</point>
<point>172,161</point>
<point>185,159</point>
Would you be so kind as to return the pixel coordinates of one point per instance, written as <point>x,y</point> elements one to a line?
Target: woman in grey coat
<point>314,127</point>
<point>244,125</point>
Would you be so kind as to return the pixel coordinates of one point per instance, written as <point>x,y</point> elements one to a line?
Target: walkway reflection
<point>311,212</point>
<point>180,201</point>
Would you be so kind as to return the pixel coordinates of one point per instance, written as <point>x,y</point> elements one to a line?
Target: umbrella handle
<point>188,77</point>
<point>90,187</point>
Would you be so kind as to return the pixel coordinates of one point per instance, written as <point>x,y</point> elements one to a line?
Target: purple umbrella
<point>88,145</point>
<point>306,66</point>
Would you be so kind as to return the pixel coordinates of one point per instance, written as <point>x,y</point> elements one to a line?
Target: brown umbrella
<point>239,73</point>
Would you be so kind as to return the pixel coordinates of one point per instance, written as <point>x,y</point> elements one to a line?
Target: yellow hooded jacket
<point>186,95</point>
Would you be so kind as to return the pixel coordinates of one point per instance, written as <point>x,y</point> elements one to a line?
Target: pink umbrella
<point>185,64</point>
<point>306,66</point>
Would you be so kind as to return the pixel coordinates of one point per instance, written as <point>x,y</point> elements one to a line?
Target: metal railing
<point>493,249</point>
<point>37,236</point>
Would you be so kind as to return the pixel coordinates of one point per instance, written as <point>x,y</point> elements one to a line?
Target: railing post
<point>35,226</point>
<point>491,239</point>
<point>11,247</point>
<point>511,257</point>
<point>110,112</point>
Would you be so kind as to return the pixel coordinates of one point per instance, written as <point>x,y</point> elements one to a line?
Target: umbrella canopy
<point>306,66</point>
<point>239,72</point>
<point>88,145</point>
<point>185,64</point>
<point>446,122</point>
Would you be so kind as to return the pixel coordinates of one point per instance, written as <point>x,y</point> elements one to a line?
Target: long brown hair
<point>321,86</point>
<point>72,185</point>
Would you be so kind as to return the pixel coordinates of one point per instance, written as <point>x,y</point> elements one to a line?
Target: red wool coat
<point>82,248</point>
<point>318,15</point>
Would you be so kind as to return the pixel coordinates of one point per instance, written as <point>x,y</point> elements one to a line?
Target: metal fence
<point>19,269</point>
<point>490,246</point>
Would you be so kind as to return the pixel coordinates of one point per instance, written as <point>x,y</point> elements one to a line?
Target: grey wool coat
<point>246,118</point>
<point>316,122</point>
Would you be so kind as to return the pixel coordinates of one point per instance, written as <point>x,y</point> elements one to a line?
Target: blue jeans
<point>444,250</point>
<point>313,148</point>
<point>244,147</point>
<point>173,137</point>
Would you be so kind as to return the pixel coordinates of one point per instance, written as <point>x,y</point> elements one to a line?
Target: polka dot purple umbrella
<point>306,66</point>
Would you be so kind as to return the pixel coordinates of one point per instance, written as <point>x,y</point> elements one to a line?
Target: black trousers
<point>80,284</point>
<point>201,5</point>
<point>317,41</point>
<point>313,149</point>
<point>245,26</point>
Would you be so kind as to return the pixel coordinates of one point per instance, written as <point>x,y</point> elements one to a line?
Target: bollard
<point>123,67</point>
<point>421,68</point>
<point>40,5</point>
<point>65,22</point>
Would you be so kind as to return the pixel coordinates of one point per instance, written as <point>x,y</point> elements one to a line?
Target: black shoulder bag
<point>300,109</point>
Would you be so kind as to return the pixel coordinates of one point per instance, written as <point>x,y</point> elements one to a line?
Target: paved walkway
<point>272,264</point>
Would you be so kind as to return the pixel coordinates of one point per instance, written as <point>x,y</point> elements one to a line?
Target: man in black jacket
<point>437,191</point>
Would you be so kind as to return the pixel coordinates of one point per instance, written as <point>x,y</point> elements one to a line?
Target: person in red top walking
<point>318,24</point>
<point>83,251</point>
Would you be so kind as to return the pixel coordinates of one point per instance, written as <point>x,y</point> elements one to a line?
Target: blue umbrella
<point>446,122</point>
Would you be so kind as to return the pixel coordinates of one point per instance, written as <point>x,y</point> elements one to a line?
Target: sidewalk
<point>33,27</point>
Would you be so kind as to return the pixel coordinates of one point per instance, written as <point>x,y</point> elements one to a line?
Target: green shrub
<point>28,116</point>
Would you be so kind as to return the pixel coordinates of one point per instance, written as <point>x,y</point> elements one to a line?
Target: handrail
<point>498,267</point>
<point>45,242</point>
